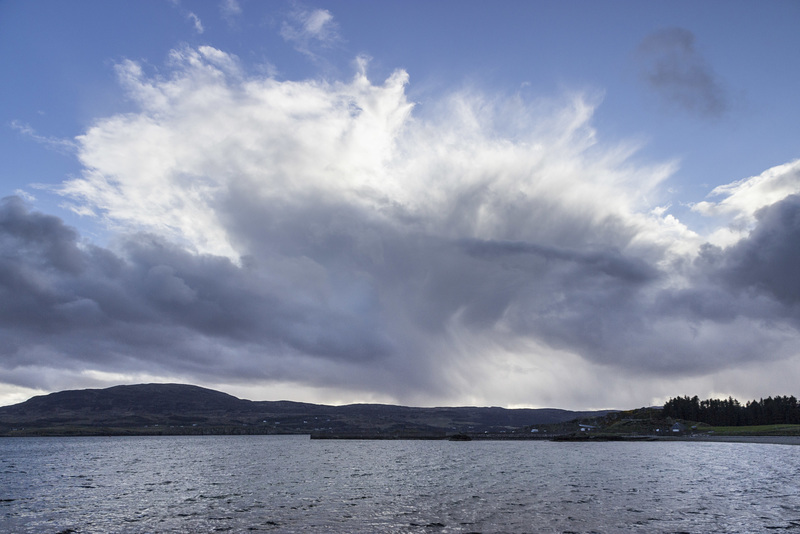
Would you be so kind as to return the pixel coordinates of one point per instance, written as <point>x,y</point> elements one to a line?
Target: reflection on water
<point>293,484</point>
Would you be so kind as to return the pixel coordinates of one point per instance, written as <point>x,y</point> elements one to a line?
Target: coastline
<point>771,440</point>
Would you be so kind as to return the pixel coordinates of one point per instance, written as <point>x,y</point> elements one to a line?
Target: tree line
<point>730,412</point>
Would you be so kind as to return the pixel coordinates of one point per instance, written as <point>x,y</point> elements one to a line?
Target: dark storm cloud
<point>609,262</point>
<point>768,259</point>
<point>357,293</point>
<point>678,73</point>
<point>36,251</point>
<point>594,301</point>
<point>326,282</point>
<point>757,277</point>
<point>50,242</point>
<point>93,305</point>
<point>740,305</point>
<point>750,287</point>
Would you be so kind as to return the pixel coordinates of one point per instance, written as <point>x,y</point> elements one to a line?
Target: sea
<point>294,484</point>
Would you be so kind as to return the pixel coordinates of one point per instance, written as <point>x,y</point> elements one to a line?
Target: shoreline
<point>770,440</point>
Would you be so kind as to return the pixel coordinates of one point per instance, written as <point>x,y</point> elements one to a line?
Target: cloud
<point>309,29</point>
<point>190,16</point>
<point>768,259</point>
<point>230,9</point>
<point>609,262</point>
<point>198,24</point>
<point>95,308</point>
<point>742,200</point>
<point>330,236</point>
<point>672,67</point>
<point>66,146</point>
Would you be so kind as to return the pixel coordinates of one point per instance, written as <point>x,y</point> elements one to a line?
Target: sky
<point>582,205</point>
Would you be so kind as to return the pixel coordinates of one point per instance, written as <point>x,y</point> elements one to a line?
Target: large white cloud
<point>330,236</point>
<point>479,168</point>
<point>742,199</point>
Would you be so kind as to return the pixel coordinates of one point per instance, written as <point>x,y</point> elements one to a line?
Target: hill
<point>173,409</point>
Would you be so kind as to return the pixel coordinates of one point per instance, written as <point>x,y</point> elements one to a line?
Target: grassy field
<point>759,430</point>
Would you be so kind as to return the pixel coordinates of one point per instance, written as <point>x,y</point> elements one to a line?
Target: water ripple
<point>293,484</point>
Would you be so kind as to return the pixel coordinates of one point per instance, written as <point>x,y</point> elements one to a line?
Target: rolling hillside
<point>184,409</point>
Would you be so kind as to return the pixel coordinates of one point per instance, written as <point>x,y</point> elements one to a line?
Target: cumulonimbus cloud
<point>327,234</point>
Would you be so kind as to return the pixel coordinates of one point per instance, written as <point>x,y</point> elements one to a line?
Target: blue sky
<point>413,202</point>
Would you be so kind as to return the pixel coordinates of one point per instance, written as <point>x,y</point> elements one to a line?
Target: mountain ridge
<point>189,409</point>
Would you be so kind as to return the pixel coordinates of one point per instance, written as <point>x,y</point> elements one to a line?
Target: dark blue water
<point>293,484</point>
